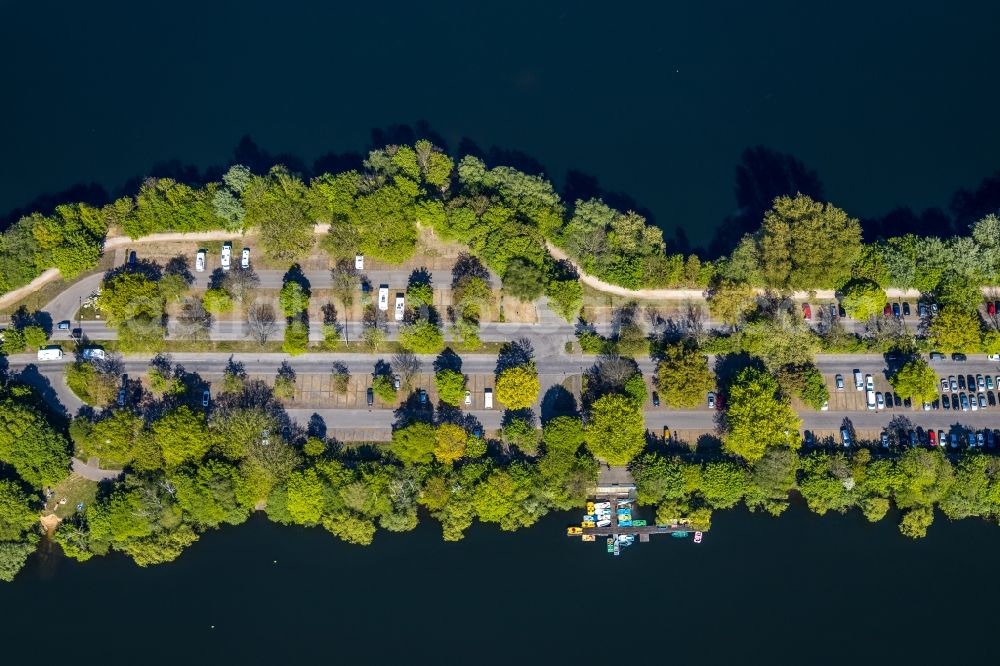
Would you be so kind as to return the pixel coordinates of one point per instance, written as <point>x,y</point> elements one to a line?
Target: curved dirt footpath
<point>699,294</point>
<point>115,242</point>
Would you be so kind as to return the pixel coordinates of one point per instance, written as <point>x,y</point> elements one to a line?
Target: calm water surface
<point>892,103</point>
<point>794,590</point>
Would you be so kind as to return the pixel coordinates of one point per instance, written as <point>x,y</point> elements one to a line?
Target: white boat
<point>697,537</point>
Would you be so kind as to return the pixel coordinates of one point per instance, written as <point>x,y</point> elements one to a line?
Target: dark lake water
<point>891,103</point>
<point>758,590</point>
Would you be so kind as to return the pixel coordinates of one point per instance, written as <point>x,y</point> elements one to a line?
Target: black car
<point>959,357</point>
<point>656,399</point>
<point>371,397</point>
<point>888,399</point>
<point>937,356</point>
<point>841,311</point>
<point>833,311</point>
<point>899,403</point>
<point>422,396</point>
<point>810,439</point>
<point>921,309</point>
<point>945,402</point>
<point>895,310</point>
<point>906,309</point>
<point>907,403</point>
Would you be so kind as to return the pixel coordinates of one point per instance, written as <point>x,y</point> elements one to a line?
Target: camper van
<point>399,307</point>
<point>227,256</point>
<point>383,297</point>
<point>488,398</point>
<point>859,383</point>
<point>871,399</point>
<point>50,354</point>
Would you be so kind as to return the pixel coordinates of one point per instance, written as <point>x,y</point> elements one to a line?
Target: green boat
<point>679,535</point>
<point>638,523</point>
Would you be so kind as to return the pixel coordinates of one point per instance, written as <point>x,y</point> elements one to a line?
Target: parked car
<point>468,397</point>
<point>934,309</point>
<point>422,396</point>
<point>913,438</point>
<point>825,407</point>
<point>879,400</point>
<point>245,258</point>
<point>989,382</point>
<point>656,399</point>
<point>980,382</point>
<point>808,438</point>
<point>895,311</point>
<point>199,261</point>
<point>937,356</point>
<point>990,308</point>
<point>952,383</point>
<point>63,326</point>
<point>954,440</point>
<point>806,311</point>
<point>932,437</point>
<point>973,403</point>
<point>711,400</point>
<point>961,382</point>
<point>371,397</point>
<point>971,382</point>
<point>395,382</point>
<point>869,383</point>
<point>833,311</point>
<point>944,385</point>
<point>227,255</point>
<point>888,399</point>
<point>980,440</point>
<point>964,400</point>
<point>907,403</point>
<point>906,309</point>
<point>982,401</point>
<point>959,357</point>
<point>921,310</point>
<point>887,310</point>
<point>945,402</point>
<point>206,396</point>
<point>121,397</point>
<point>991,398</point>
<point>845,436</point>
<point>840,382</point>
<point>885,440</point>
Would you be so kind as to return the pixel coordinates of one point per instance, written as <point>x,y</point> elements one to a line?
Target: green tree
<point>805,244</point>
<point>450,440</point>
<point>862,299</point>
<point>421,337</point>
<point>420,294</point>
<point>217,301</point>
<point>296,337</point>
<point>16,515</point>
<point>730,302</point>
<point>383,387</point>
<point>305,497</point>
<point>415,444</point>
<point>181,436</point>
<point>757,417</point>
<point>915,381</point>
<point>683,377</point>
<point>518,387</point>
<point>615,429</point>
<point>28,443</point>
<point>954,329</point>
<point>128,296</point>
<point>34,336</point>
<point>277,206</point>
<point>294,298</point>
<point>450,386</point>
<point>523,280</point>
<point>806,382</point>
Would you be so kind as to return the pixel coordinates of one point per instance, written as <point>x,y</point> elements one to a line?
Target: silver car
<point>953,383</point>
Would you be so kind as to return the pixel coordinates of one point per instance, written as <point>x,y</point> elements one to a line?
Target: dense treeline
<point>506,217</point>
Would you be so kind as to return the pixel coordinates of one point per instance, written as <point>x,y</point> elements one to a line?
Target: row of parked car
<point>225,259</point>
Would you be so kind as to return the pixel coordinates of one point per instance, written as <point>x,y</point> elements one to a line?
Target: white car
<point>383,297</point>
<point>245,258</point>
<point>468,397</point>
<point>199,261</point>
<point>227,256</point>
<point>400,307</point>
<point>93,352</point>
<point>359,262</point>
<point>869,383</point>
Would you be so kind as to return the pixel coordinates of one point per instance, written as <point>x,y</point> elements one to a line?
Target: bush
<point>517,388</point>
<point>217,301</point>
<point>421,337</point>
<point>296,338</point>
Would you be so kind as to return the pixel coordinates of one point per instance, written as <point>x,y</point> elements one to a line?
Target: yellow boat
<point>574,531</point>
<point>588,523</point>
<point>589,537</point>
<point>590,507</point>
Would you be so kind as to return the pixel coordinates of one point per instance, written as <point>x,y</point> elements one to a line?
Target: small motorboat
<point>697,537</point>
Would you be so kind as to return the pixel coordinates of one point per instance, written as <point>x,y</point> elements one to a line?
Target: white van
<point>50,354</point>
<point>227,256</point>
<point>871,399</point>
<point>359,262</point>
<point>383,297</point>
<point>858,381</point>
<point>400,307</point>
<point>488,398</point>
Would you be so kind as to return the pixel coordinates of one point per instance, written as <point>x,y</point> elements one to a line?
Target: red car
<point>887,310</point>
<point>933,437</point>
<point>991,308</point>
<point>807,311</point>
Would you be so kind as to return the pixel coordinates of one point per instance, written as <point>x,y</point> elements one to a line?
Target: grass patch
<point>74,489</point>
